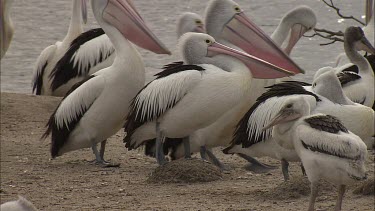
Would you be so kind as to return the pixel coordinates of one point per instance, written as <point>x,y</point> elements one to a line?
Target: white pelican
<point>93,51</point>
<point>189,22</point>
<point>6,26</point>
<point>328,150</point>
<point>86,115</point>
<point>52,54</point>
<point>214,79</point>
<point>325,96</point>
<point>358,84</point>
<point>292,25</point>
<point>21,204</point>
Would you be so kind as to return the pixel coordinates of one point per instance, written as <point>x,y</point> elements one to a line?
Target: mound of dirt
<point>295,188</point>
<point>185,171</point>
<point>366,187</point>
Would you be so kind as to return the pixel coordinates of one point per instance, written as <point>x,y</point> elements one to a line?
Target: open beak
<point>285,115</point>
<point>297,31</point>
<point>245,34</point>
<point>125,18</point>
<point>365,45</point>
<point>84,10</point>
<point>255,65</point>
<point>369,10</point>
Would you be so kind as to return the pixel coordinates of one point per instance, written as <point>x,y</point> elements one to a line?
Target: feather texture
<point>40,67</point>
<point>326,123</point>
<point>347,76</point>
<point>85,52</point>
<point>160,95</point>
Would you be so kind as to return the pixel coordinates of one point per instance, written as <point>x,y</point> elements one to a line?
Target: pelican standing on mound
<point>325,96</point>
<point>86,115</point>
<point>52,54</point>
<point>6,26</point>
<point>292,26</point>
<point>214,79</point>
<point>327,149</point>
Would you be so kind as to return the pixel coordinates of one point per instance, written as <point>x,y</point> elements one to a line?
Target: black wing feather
<point>38,83</point>
<point>134,121</point>
<point>65,69</point>
<point>326,123</point>
<point>346,77</point>
<point>287,88</point>
<point>60,135</point>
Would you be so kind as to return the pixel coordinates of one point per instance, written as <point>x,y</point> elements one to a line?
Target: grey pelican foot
<point>256,166</point>
<point>284,168</point>
<point>216,161</point>
<point>159,151</point>
<point>99,157</point>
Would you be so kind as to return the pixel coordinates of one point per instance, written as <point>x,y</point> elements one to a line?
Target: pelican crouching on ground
<point>327,149</point>
<point>214,79</point>
<point>52,54</point>
<point>6,26</point>
<point>85,116</point>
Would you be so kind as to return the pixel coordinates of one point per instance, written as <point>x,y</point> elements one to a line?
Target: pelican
<point>357,85</point>
<point>328,150</point>
<point>189,22</point>
<point>21,204</point>
<point>369,28</point>
<point>292,25</point>
<point>325,96</point>
<point>85,116</point>
<point>213,80</point>
<point>6,26</point>
<point>51,55</point>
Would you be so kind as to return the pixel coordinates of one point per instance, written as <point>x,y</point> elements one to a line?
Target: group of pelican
<point>232,89</point>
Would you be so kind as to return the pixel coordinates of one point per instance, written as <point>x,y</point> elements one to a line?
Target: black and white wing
<point>85,52</point>
<point>71,109</point>
<point>40,67</point>
<point>161,94</point>
<point>327,135</point>
<point>249,130</point>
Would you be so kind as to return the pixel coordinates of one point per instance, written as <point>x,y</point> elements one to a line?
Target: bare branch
<point>331,35</point>
<point>339,13</point>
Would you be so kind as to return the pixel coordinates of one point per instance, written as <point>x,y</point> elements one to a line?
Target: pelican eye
<point>289,106</point>
<point>198,22</point>
<point>237,9</point>
<point>208,41</point>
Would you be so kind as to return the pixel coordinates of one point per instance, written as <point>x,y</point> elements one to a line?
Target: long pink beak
<point>297,31</point>
<point>84,10</point>
<point>242,32</point>
<point>256,65</point>
<point>200,29</point>
<point>125,18</point>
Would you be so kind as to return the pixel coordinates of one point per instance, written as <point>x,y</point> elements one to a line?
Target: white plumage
<point>6,26</point>
<point>21,204</point>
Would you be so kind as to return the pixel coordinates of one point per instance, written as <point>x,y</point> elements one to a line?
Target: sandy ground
<point>71,183</point>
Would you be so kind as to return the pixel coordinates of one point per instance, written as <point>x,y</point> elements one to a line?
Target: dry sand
<point>71,183</point>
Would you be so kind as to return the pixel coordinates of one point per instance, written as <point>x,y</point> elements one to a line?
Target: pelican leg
<point>99,157</point>
<point>256,166</point>
<point>314,194</point>
<point>340,197</point>
<point>284,168</point>
<point>187,147</point>
<point>203,152</point>
<point>216,161</point>
<point>102,149</point>
<point>159,152</point>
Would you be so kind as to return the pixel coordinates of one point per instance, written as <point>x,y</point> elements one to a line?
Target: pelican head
<point>225,20</point>
<point>292,109</point>
<point>299,20</point>
<point>329,86</point>
<point>190,22</point>
<point>199,48</point>
<point>122,15</point>
<point>354,36</point>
